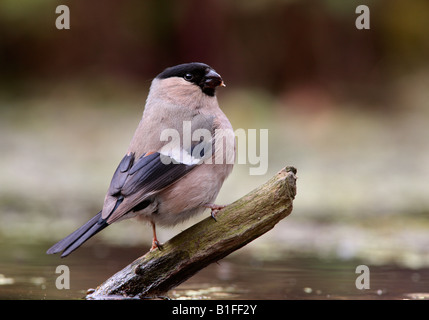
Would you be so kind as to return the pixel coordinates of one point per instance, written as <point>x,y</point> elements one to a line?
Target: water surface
<point>27,273</point>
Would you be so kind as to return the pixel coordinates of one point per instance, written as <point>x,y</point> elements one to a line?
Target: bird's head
<point>195,73</point>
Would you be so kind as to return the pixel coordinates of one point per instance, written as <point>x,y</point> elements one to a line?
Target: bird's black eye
<point>188,77</point>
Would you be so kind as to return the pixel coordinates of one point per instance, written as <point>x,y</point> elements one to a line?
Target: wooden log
<point>206,242</point>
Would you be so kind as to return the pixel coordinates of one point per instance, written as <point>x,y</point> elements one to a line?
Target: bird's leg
<point>215,208</point>
<point>155,242</point>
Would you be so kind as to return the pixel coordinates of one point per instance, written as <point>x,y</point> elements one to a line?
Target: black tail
<point>77,238</point>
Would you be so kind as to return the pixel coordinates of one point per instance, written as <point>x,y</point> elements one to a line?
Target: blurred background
<point>348,108</point>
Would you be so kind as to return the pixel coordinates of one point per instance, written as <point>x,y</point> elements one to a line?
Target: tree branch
<point>205,242</point>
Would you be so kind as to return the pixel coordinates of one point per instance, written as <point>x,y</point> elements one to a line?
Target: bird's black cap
<point>197,73</point>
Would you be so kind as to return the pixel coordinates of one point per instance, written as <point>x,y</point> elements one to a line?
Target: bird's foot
<point>156,245</point>
<point>215,208</point>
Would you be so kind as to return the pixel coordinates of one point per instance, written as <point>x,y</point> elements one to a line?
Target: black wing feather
<point>146,175</point>
<point>151,174</point>
<point>70,243</point>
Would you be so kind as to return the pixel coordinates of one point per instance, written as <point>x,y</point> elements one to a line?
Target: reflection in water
<point>27,273</point>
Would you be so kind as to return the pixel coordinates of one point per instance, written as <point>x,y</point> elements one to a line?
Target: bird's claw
<point>213,214</point>
<point>156,245</point>
<point>214,209</point>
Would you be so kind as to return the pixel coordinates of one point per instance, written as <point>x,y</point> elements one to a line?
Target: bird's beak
<point>213,80</point>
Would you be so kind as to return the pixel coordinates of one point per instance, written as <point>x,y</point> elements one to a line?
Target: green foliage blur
<point>271,44</point>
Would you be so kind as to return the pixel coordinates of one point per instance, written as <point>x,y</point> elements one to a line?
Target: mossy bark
<point>205,242</point>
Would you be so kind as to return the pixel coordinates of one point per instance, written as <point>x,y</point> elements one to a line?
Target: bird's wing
<point>132,182</point>
<point>135,180</point>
